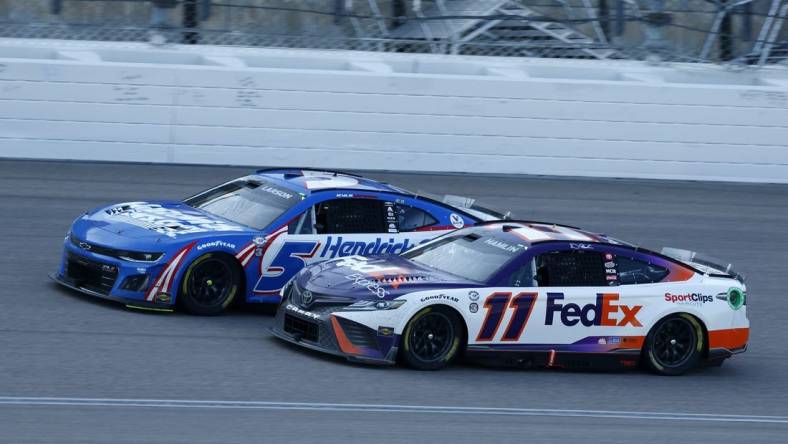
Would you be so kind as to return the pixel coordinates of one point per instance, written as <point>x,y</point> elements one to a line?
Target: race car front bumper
<point>108,278</point>
<point>130,303</point>
<point>323,329</point>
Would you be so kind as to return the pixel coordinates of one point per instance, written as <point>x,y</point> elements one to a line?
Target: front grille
<point>358,334</point>
<point>302,328</point>
<point>89,274</point>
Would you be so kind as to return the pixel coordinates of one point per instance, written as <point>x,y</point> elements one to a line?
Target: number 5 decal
<point>290,259</point>
<point>496,304</point>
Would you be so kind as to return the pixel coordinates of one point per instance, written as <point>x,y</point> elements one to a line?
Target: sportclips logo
<point>605,312</point>
<point>688,298</point>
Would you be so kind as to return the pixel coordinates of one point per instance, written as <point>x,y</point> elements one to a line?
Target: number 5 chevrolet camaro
<point>246,238</point>
<point>525,294</point>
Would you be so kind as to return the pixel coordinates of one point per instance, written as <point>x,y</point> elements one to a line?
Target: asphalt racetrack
<point>73,369</point>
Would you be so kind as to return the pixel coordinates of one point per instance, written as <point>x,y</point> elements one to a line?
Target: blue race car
<point>247,238</point>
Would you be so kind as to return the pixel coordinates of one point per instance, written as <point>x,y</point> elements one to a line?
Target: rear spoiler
<point>469,206</point>
<point>703,263</point>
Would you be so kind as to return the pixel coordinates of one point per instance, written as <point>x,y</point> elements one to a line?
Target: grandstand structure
<point>750,32</point>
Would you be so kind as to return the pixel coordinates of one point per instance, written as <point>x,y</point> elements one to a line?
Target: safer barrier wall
<point>372,111</point>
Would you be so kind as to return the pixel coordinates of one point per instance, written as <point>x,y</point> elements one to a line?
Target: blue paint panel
<point>169,228</point>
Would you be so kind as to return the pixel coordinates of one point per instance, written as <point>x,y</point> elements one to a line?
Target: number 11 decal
<point>496,305</point>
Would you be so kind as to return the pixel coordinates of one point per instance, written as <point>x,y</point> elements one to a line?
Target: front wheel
<point>431,339</point>
<point>674,345</point>
<point>209,285</point>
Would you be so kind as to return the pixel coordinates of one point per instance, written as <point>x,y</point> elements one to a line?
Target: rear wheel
<point>674,345</point>
<point>209,285</point>
<point>432,338</point>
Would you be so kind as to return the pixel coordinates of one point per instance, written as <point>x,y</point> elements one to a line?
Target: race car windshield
<point>470,256</point>
<point>254,203</point>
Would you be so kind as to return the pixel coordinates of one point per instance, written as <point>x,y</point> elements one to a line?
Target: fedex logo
<point>605,312</point>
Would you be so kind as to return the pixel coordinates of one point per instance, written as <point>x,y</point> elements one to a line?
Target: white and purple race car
<point>524,294</point>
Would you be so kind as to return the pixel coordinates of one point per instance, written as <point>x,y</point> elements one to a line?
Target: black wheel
<point>209,285</point>
<point>674,345</point>
<point>432,338</point>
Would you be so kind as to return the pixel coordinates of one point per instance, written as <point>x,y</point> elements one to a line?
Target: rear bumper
<point>131,303</point>
<point>719,354</point>
<point>736,351</point>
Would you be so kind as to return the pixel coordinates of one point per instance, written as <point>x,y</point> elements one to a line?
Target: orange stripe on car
<point>730,338</point>
<point>344,343</point>
<point>679,273</point>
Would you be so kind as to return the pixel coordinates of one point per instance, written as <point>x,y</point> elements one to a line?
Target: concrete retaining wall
<point>369,111</point>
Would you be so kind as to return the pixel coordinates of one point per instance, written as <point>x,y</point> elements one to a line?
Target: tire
<point>674,345</point>
<point>209,285</point>
<point>432,338</point>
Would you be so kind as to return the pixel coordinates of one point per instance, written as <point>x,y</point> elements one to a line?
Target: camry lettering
<point>604,312</point>
<point>308,314</point>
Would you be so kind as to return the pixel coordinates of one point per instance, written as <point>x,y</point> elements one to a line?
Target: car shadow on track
<point>268,311</point>
<point>235,309</point>
<point>96,301</point>
<point>324,357</point>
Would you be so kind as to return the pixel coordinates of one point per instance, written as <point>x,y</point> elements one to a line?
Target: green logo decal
<point>736,298</point>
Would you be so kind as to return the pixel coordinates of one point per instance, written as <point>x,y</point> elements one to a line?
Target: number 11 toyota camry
<point>525,294</point>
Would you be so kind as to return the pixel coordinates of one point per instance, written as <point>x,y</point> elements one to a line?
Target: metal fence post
<point>160,12</point>
<point>655,20</point>
<point>205,9</point>
<point>620,23</point>
<point>55,6</point>
<point>190,22</point>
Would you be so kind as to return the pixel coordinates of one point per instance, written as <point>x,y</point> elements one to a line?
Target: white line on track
<point>386,408</point>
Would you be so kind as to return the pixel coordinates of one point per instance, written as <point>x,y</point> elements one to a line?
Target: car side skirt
<point>619,359</point>
<point>614,360</point>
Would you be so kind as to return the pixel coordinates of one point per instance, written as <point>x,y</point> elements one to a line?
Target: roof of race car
<point>536,232</point>
<point>307,181</point>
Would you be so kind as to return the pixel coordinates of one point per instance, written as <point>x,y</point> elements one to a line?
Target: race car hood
<point>127,225</point>
<point>375,278</point>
